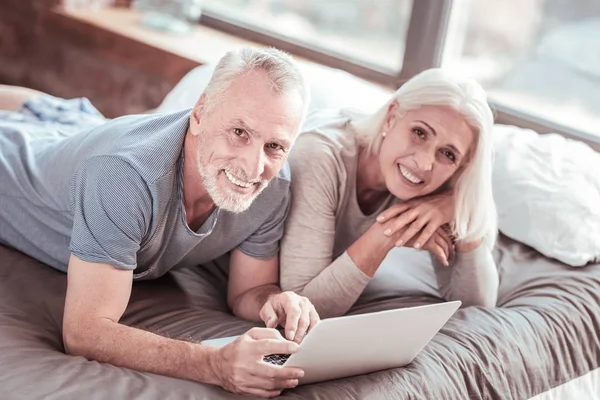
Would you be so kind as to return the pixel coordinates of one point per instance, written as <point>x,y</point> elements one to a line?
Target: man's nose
<point>255,162</point>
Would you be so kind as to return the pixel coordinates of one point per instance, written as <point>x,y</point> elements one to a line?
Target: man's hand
<point>295,313</point>
<point>253,294</point>
<point>240,367</point>
<point>426,214</point>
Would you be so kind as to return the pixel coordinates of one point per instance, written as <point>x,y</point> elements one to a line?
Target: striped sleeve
<point>112,211</point>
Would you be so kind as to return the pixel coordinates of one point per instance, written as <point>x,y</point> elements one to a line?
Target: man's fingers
<point>394,211</point>
<point>401,221</point>
<point>273,377</point>
<point>277,372</point>
<point>293,313</point>
<point>264,347</point>
<point>264,333</point>
<point>270,377</point>
<point>269,316</point>
<point>303,321</point>
<point>265,394</point>
<point>314,317</point>
<point>269,384</point>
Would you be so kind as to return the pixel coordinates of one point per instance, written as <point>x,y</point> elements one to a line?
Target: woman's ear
<point>391,116</point>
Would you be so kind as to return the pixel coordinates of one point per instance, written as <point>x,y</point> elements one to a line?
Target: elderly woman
<point>415,173</point>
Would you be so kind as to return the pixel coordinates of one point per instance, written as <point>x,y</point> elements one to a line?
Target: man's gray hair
<point>280,67</point>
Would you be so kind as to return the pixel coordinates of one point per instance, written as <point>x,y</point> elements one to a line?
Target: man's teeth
<point>406,173</point>
<point>236,181</point>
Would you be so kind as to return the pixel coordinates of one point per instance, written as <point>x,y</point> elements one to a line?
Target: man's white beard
<point>224,198</point>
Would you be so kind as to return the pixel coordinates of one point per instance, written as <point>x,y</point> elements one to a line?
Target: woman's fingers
<point>394,211</point>
<point>429,230</point>
<point>438,250</point>
<point>446,237</point>
<point>411,231</point>
<point>399,223</point>
<point>443,245</point>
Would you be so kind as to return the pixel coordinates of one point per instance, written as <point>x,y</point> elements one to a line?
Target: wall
<point>36,51</point>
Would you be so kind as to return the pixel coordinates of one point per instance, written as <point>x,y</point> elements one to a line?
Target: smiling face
<point>423,149</point>
<point>243,142</point>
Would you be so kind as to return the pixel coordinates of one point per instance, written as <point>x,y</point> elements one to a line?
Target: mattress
<point>545,333</point>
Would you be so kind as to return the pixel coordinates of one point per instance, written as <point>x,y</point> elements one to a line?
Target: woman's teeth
<point>406,173</point>
<point>236,181</point>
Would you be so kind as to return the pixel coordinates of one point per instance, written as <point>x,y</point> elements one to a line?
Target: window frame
<point>428,31</point>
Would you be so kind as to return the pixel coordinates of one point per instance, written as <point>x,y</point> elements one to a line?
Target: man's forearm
<point>120,345</point>
<point>248,304</point>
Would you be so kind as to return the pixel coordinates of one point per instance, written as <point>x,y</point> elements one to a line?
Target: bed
<point>544,333</point>
<point>542,341</point>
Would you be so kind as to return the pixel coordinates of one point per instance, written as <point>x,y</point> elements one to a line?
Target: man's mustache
<point>242,175</point>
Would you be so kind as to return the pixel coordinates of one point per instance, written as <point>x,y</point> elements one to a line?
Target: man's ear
<point>198,112</point>
<point>391,116</point>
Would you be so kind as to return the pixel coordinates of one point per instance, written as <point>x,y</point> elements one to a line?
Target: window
<point>537,57</point>
<point>366,32</point>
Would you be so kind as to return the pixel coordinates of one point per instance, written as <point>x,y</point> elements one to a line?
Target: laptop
<point>360,344</point>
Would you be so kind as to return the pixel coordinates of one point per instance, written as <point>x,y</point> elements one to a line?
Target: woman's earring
<point>383,134</point>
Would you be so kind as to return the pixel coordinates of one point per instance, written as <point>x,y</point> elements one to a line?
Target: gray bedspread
<point>544,333</point>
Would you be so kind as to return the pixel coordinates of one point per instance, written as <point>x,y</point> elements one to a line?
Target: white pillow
<point>330,88</point>
<point>547,190</point>
<point>187,91</point>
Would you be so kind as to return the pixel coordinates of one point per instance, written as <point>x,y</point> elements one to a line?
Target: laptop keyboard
<point>277,359</point>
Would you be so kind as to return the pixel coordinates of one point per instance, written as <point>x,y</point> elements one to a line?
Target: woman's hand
<point>466,247</point>
<point>439,244</point>
<point>426,214</point>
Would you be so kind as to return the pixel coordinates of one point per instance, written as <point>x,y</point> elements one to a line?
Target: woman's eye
<point>449,155</point>
<point>420,133</point>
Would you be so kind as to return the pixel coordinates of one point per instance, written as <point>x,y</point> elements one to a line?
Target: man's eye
<point>239,132</point>
<point>274,146</point>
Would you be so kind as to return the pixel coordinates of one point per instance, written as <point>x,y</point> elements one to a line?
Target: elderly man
<point>128,199</point>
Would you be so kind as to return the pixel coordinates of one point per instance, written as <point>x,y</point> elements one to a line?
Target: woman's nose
<point>424,159</point>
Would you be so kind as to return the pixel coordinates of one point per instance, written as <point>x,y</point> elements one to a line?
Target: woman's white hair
<point>280,68</point>
<point>475,208</point>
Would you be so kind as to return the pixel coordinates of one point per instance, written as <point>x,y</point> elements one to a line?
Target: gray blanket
<point>544,333</point>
